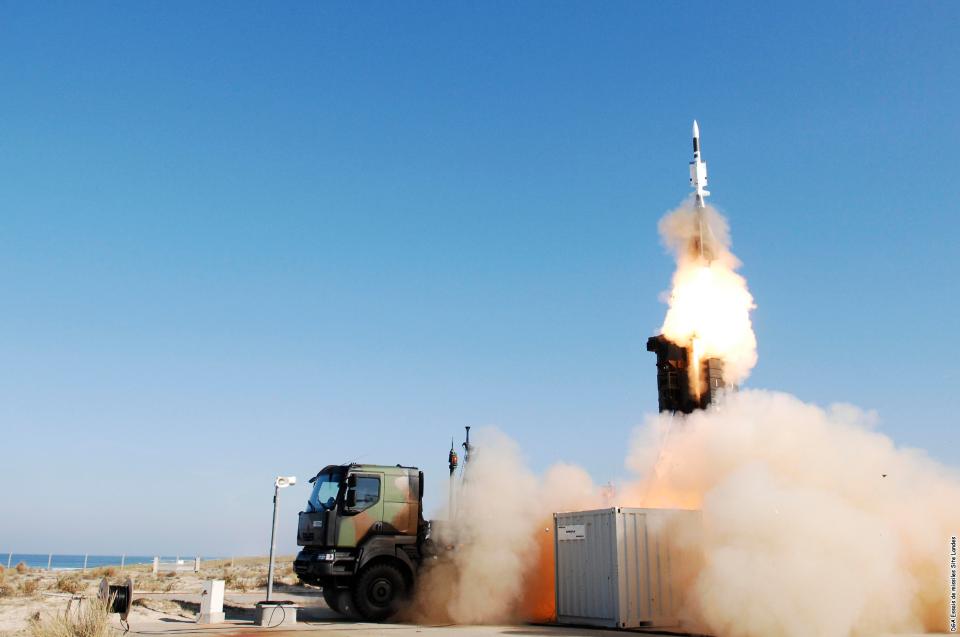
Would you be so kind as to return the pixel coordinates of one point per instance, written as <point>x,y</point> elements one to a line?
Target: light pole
<point>282,482</point>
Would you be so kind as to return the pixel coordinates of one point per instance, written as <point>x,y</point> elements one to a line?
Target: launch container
<point>625,568</point>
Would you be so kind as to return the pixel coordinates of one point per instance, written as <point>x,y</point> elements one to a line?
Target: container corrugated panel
<point>622,568</point>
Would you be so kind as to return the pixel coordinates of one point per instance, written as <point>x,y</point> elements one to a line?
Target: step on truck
<point>364,538</point>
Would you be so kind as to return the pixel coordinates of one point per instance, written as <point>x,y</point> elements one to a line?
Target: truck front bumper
<point>323,565</point>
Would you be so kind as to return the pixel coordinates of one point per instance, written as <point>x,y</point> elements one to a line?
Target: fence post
<point>196,564</point>
<point>123,558</point>
<point>9,559</point>
<point>85,556</point>
<point>156,565</point>
<point>49,561</point>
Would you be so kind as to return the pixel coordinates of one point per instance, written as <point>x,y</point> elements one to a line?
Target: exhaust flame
<point>709,303</point>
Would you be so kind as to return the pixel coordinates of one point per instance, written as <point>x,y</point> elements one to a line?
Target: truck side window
<point>368,492</point>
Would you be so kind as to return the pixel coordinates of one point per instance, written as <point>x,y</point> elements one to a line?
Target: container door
<point>586,568</point>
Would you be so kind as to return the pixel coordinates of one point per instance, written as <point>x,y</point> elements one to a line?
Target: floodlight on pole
<point>282,482</point>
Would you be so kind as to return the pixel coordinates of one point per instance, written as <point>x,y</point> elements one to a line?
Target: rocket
<point>698,169</point>
<point>698,181</point>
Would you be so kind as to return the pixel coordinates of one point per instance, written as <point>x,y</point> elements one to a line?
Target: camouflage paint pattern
<point>396,511</point>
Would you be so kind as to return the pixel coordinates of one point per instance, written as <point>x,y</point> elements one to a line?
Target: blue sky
<point>243,239</point>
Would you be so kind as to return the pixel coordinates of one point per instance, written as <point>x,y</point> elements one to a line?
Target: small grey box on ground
<point>280,613</point>
<point>624,568</point>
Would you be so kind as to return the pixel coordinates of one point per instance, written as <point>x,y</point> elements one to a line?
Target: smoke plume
<point>500,566</point>
<point>709,303</point>
<point>814,523</point>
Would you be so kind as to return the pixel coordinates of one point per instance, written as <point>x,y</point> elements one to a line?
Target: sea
<point>59,562</point>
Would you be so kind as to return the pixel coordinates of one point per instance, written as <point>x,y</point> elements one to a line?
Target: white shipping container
<point>624,568</point>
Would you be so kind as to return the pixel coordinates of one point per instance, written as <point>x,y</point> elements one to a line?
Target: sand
<point>168,604</point>
<point>170,595</point>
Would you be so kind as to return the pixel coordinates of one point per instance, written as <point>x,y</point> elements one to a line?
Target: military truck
<point>364,537</point>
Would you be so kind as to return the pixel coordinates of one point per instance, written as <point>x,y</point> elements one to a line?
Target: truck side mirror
<point>351,498</point>
<point>352,481</point>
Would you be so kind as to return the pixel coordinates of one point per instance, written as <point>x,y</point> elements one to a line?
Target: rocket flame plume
<point>709,302</point>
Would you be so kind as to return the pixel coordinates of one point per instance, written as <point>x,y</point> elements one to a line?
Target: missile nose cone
<point>696,129</point>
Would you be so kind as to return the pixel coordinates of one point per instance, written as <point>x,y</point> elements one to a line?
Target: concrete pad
<point>281,613</point>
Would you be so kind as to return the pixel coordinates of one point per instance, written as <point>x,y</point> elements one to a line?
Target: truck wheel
<point>379,591</point>
<point>340,601</point>
<point>345,603</point>
<point>330,597</point>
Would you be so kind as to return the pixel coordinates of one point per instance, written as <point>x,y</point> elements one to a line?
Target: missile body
<point>698,180</point>
<point>698,170</point>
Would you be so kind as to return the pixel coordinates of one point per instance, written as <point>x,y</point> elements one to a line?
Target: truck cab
<point>363,537</point>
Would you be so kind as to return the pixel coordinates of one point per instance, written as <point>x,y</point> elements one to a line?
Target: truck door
<point>362,508</point>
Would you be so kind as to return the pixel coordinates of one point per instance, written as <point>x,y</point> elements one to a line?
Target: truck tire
<point>330,597</point>
<point>340,601</point>
<point>379,592</point>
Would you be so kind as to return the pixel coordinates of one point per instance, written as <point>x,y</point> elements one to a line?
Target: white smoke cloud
<point>503,525</point>
<point>813,522</point>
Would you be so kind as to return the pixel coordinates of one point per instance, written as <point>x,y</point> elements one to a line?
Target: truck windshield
<point>326,486</point>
